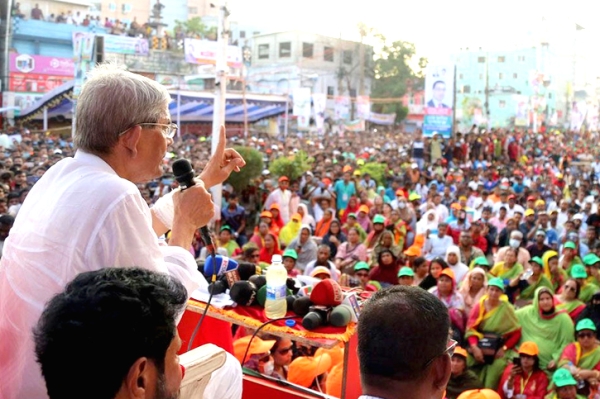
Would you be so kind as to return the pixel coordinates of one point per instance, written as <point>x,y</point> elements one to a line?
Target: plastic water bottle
<point>275,304</point>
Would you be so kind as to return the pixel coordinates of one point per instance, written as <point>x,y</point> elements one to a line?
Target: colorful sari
<point>573,354</point>
<point>558,279</point>
<point>505,273</point>
<point>550,332</point>
<point>587,291</point>
<point>501,320</point>
<point>528,293</point>
<point>573,308</point>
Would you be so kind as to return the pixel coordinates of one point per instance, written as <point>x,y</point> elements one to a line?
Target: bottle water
<point>275,304</point>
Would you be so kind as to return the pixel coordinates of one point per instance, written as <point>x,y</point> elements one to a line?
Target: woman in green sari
<point>509,269</point>
<point>550,329</point>
<point>492,315</point>
<point>568,299</point>
<point>582,358</point>
<point>587,289</point>
<point>528,286</point>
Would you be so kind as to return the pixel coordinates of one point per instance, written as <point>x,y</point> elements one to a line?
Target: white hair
<point>113,100</point>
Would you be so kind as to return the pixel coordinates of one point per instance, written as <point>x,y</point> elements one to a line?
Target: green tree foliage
<point>375,170</point>
<point>194,27</point>
<point>254,166</point>
<point>292,167</point>
<point>394,73</point>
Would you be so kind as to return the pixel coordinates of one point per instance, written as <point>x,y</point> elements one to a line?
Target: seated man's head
<point>112,334</point>
<point>420,361</point>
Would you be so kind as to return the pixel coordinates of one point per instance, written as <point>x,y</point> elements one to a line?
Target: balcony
<point>42,31</point>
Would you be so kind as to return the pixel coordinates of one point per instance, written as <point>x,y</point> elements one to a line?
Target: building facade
<point>330,66</point>
<point>519,87</point>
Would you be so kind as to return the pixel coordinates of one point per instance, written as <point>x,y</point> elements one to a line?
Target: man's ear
<point>441,371</point>
<point>138,379</point>
<point>131,140</point>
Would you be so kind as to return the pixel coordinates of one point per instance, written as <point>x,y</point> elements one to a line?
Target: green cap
<point>481,261</point>
<point>290,253</point>
<point>562,378</point>
<point>570,244</point>
<point>496,282</point>
<point>379,219</point>
<point>352,215</point>
<point>379,188</point>
<point>591,259</point>
<point>578,271</point>
<point>406,271</point>
<point>585,324</point>
<point>226,227</point>
<point>361,266</point>
<point>537,260</point>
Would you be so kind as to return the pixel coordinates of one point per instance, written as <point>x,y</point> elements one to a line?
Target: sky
<point>437,27</point>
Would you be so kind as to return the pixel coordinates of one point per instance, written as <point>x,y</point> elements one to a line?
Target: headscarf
<point>307,218</point>
<point>425,224</point>
<point>430,281</point>
<point>385,273</point>
<point>290,230</point>
<point>394,249</point>
<point>278,221</point>
<point>309,248</point>
<point>340,236</point>
<point>551,331</point>
<point>465,289</point>
<point>350,209</point>
<point>323,226</point>
<point>265,255</point>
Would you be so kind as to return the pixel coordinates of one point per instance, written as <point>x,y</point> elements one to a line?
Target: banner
<point>83,52</point>
<point>40,65</point>
<point>355,126</point>
<point>301,98</point>
<point>363,107</point>
<point>439,97</point>
<point>205,52</point>
<point>20,100</point>
<point>342,108</point>
<point>522,110</point>
<point>126,45</point>
<point>382,119</point>
<point>319,106</point>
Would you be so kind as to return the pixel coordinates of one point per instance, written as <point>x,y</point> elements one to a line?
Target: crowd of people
<point>501,226</point>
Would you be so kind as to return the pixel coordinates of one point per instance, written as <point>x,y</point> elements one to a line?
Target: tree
<point>254,166</point>
<point>193,27</point>
<point>292,167</point>
<point>394,74</point>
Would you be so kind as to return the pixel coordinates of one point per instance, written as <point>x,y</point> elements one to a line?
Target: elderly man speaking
<point>86,213</point>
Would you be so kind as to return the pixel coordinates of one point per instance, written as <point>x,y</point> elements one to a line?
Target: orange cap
<point>448,272</point>
<point>363,208</point>
<point>336,354</point>
<point>284,178</point>
<point>400,192</point>
<point>479,394</point>
<point>413,250</point>
<point>304,369</point>
<point>258,346</point>
<point>266,214</point>
<point>275,205</point>
<point>297,217</point>
<point>458,351</point>
<point>456,205</point>
<point>333,386</point>
<point>347,168</point>
<point>529,348</point>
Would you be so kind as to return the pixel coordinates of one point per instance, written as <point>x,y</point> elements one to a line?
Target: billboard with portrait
<point>439,100</point>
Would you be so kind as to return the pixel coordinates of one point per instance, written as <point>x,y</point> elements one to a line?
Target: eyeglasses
<point>169,130</point>
<point>449,350</point>
<point>586,335</point>
<point>283,351</point>
<point>256,255</point>
<point>361,274</point>
<point>265,358</point>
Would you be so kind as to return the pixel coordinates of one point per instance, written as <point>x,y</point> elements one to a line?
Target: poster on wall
<point>205,52</point>
<point>439,100</point>
<point>301,97</point>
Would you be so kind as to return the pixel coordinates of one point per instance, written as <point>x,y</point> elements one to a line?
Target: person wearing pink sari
<point>473,288</point>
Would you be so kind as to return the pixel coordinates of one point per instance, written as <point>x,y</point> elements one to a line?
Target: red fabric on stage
<point>212,331</point>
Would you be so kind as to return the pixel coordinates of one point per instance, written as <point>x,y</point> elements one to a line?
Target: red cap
<point>327,293</point>
<point>284,178</point>
<point>531,198</point>
<point>512,196</point>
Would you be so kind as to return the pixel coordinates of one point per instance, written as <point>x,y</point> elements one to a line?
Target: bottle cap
<point>276,259</point>
<point>290,323</point>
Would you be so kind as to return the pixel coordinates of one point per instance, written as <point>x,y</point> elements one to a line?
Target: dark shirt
<point>233,218</point>
<point>535,251</point>
<point>464,382</point>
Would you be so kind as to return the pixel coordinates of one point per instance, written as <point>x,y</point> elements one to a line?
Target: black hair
<point>90,334</point>
<point>577,286</point>
<point>418,261</point>
<point>7,220</point>
<point>412,313</point>
<point>436,83</point>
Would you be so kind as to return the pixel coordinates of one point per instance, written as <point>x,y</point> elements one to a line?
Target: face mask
<point>402,205</point>
<point>594,192</point>
<point>514,243</point>
<point>269,368</point>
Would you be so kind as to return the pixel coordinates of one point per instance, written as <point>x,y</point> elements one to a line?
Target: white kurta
<point>80,216</point>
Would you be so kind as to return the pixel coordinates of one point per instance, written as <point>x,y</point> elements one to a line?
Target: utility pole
<point>220,87</point>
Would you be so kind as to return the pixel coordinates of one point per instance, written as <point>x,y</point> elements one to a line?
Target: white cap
<point>414,165</point>
<point>578,216</point>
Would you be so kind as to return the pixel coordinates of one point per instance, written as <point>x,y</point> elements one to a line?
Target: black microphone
<point>184,174</point>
